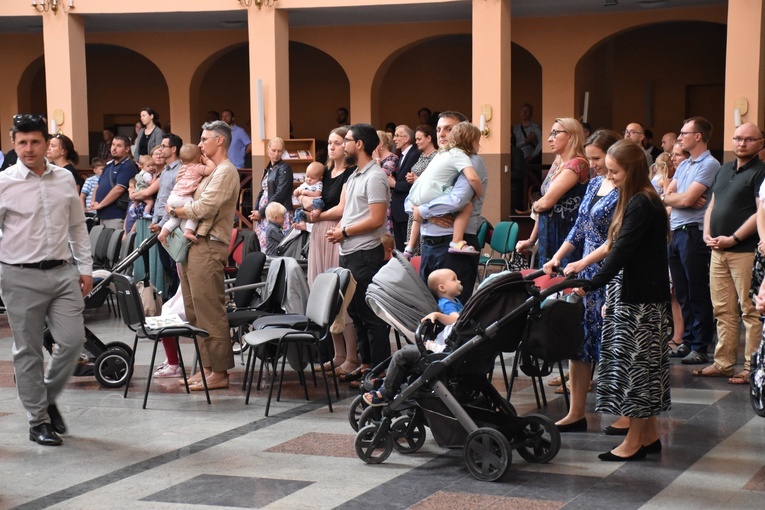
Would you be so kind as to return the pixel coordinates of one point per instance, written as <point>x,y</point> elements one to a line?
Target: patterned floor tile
<point>317,443</point>
<point>443,500</point>
<point>757,483</point>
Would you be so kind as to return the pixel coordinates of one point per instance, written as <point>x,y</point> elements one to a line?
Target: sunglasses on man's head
<point>29,120</point>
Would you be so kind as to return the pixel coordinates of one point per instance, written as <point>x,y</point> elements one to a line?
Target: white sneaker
<point>168,372</point>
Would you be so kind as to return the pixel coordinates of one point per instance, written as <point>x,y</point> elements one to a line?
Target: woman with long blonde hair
<point>562,191</point>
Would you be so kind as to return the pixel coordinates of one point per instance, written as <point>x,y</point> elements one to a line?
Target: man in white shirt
<point>40,218</point>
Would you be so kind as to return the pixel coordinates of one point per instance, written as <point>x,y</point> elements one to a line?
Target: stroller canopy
<point>397,292</point>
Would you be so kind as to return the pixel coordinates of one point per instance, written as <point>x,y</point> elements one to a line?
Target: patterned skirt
<point>633,375</point>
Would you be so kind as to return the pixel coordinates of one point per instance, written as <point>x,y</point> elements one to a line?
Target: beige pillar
<point>65,71</point>
<point>492,48</point>
<point>744,66</point>
<point>558,95</point>
<point>268,30</point>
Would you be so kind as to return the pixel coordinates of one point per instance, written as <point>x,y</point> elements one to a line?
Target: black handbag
<point>554,331</point>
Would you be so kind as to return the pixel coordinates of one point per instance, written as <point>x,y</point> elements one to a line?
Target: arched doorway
<point>657,75</point>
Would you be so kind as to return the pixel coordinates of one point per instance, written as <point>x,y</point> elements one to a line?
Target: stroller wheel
<point>119,345</point>
<point>487,454</point>
<point>354,412</point>
<point>539,439</point>
<point>111,367</point>
<point>370,415</point>
<point>756,394</point>
<point>371,449</point>
<point>408,434</point>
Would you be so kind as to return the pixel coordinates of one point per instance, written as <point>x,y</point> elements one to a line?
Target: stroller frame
<point>491,435</point>
<point>111,366</point>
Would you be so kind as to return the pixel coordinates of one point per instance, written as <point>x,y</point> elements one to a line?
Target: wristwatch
<point>172,213</point>
<point>345,234</point>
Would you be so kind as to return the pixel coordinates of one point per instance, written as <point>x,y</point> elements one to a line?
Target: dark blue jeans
<point>689,265</point>
<point>435,255</point>
<point>371,331</point>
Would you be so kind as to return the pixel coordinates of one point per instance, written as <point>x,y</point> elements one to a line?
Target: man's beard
<point>351,160</point>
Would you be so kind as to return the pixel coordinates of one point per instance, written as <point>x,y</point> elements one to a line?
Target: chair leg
<point>251,364</point>
<point>181,364</point>
<point>301,373</point>
<point>513,375</point>
<point>326,383</point>
<point>563,385</point>
<point>201,369</point>
<point>247,369</point>
<point>273,378</point>
<point>504,374</point>
<point>131,367</point>
<point>151,371</point>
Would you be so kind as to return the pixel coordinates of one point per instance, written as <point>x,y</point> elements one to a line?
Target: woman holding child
<point>276,186</point>
<point>562,192</point>
<point>324,255</point>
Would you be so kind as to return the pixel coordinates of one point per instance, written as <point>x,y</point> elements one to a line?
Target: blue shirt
<point>239,143</point>
<point>119,174</point>
<point>448,307</point>
<point>702,170</point>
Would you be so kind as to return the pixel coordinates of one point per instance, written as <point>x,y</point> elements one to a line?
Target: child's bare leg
<point>458,243</point>
<point>190,235</point>
<point>162,237</point>
<point>414,240</point>
<point>148,207</point>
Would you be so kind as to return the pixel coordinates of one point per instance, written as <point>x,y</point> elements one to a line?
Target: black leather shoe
<point>577,426</point>
<point>654,447</point>
<point>616,431</point>
<point>56,421</point>
<point>44,435</point>
<point>610,457</point>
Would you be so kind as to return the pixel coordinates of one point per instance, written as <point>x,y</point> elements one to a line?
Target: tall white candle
<point>53,127</point>
<point>736,117</point>
<point>482,122</point>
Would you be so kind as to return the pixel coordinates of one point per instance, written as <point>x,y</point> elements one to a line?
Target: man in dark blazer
<point>403,139</point>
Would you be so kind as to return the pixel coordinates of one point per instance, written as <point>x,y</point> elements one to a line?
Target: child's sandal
<point>376,398</point>
<point>462,248</point>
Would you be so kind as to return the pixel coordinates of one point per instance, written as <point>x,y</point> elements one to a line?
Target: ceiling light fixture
<point>258,3</point>
<point>52,5</point>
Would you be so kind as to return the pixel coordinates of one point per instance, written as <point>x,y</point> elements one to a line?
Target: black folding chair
<point>133,315</point>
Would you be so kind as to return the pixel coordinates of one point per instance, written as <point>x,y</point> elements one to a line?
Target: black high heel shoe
<point>577,426</point>
<point>654,447</point>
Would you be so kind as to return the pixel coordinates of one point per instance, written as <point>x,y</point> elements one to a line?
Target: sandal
<point>712,371</point>
<point>740,378</point>
<point>462,248</point>
<point>375,398</point>
<point>555,381</point>
<point>559,389</point>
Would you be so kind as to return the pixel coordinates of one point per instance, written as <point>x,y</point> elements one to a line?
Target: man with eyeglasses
<point>170,147</point>
<point>688,253</point>
<point>402,139</point>
<point>730,230</point>
<point>43,226</point>
<point>364,205</point>
<point>636,133</point>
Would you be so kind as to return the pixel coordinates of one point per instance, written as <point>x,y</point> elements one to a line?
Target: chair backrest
<point>481,234</point>
<point>249,272</point>
<point>100,257</point>
<point>512,237</point>
<point>94,234</point>
<point>344,278</point>
<point>127,246</point>
<point>500,236</point>
<point>129,301</point>
<point>322,298</point>
<point>113,250</point>
<point>275,290</point>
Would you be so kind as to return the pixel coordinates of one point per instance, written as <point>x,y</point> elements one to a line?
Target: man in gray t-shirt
<point>364,205</point>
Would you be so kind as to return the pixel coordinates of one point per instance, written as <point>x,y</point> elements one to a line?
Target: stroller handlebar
<point>568,283</point>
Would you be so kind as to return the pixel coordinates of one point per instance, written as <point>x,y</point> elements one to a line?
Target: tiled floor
<point>182,453</point>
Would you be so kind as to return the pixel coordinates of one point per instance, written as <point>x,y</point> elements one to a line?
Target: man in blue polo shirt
<point>241,145</point>
<point>113,183</point>
<point>688,253</point>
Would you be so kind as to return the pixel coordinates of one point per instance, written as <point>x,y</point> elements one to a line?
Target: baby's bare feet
<point>190,235</point>
<point>162,237</point>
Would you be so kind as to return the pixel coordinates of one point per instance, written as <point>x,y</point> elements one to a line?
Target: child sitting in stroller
<point>443,283</point>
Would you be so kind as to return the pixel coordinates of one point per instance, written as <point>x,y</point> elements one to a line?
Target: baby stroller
<point>757,379</point>
<point>453,395</point>
<point>110,367</point>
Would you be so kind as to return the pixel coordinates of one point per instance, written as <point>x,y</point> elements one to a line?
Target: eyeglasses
<point>399,136</point>
<point>348,140</point>
<point>738,139</point>
<point>633,132</point>
<point>205,138</point>
<point>556,132</point>
<point>686,133</point>
<point>164,146</point>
